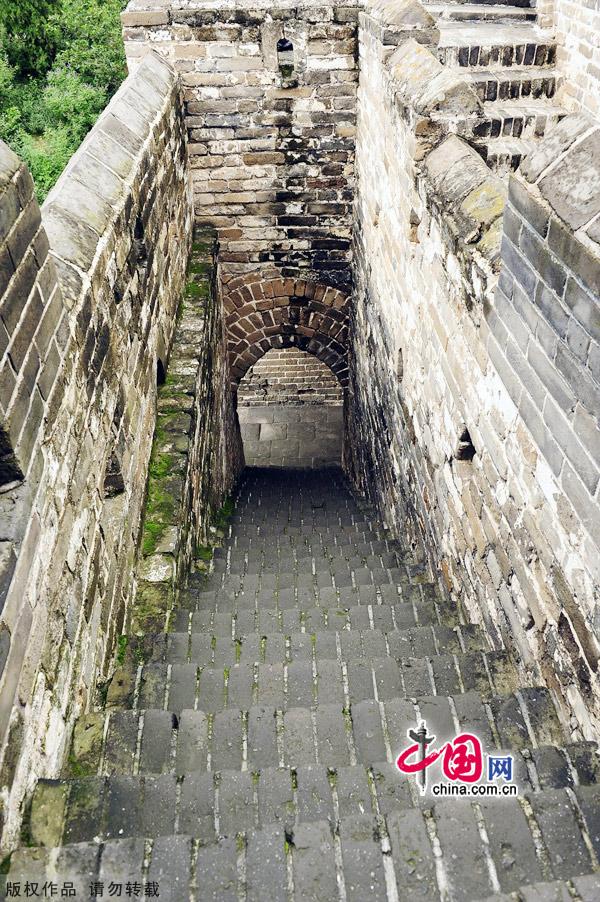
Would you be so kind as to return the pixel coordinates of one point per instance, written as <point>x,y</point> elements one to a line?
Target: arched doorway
<point>290,408</point>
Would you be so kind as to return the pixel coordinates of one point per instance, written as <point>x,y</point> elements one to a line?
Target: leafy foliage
<point>60,63</point>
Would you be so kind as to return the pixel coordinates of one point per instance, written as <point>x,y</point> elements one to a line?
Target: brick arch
<point>264,313</point>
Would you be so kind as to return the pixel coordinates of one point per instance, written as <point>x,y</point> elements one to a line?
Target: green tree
<point>28,37</point>
<point>88,40</point>
<point>60,63</point>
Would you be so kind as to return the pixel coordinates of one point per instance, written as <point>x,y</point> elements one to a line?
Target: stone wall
<point>90,327</point>
<point>436,439</point>
<point>271,134</point>
<point>309,436</point>
<point>576,24</point>
<point>289,376</point>
<point>545,344</point>
<point>197,453</point>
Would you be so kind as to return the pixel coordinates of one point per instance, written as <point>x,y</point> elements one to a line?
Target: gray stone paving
<point>248,753</point>
<point>283,435</point>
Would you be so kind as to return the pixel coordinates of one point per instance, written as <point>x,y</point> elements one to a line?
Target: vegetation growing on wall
<point>60,63</point>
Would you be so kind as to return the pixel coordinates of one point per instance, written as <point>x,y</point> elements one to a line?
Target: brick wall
<point>435,437</point>
<point>90,324</point>
<point>289,376</point>
<point>545,344</point>
<point>271,150</point>
<point>577,26</point>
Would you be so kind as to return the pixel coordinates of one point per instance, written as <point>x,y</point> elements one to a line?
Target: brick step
<point>513,83</point>
<point>313,619</point>
<point>452,850</point>
<point>157,741</point>
<point>476,45</point>
<point>175,687</point>
<point>206,805</point>
<point>503,155</point>
<point>289,599</point>
<point>480,12</point>
<point>333,576</point>
<point>277,648</point>
<point>292,558</point>
<point>323,588</point>
<point>525,119</point>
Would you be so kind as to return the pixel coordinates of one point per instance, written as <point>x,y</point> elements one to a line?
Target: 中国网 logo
<point>465,768</point>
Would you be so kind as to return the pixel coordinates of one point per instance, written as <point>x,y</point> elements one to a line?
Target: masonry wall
<point>197,452</point>
<point>271,138</point>
<point>93,335</point>
<point>435,437</point>
<point>577,26</point>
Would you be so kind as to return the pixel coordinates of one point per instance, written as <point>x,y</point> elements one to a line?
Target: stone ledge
<point>394,21</point>
<point>558,190</point>
<point>76,213</point>
<point>428,87</point>
<point>471,196</point>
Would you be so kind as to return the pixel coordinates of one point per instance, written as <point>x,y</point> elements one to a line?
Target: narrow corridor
<point>249,752</point>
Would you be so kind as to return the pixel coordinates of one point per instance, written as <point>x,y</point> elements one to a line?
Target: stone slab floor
<point>284,435</point>
<point>247,752</point>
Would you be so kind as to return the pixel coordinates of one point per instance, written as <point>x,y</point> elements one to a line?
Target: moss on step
<point>86,746</point>
<point>153,601</point>
<point>122,643</point>
<point>47,813</point>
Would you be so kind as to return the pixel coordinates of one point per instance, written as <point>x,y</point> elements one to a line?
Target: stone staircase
<point>510,61</point>
<point>248,751</point>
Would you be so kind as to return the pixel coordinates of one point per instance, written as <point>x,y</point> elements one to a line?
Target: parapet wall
<point>435,437</point>
<point>97,315</point>
<point>271,133</point>
<point>545,344</point>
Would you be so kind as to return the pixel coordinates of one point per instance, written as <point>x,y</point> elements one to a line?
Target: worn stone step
<point>313,619</point>
<point>315,571</point>
<point>526,119</point>
<point>315,681</point>
<point>584,888</point>
<point>207,804</point>
<point>277,648</point>
<point>477,45</point>
<point>513,83</point>
<point>504,155</point>
<point>127,742</point>
<point>287,599</point>
<point>458,850</point>
<point>481,12</point>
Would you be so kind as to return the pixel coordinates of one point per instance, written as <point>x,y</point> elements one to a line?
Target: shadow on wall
<point>290,408</point>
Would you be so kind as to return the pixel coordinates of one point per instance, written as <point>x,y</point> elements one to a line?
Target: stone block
<point>426,86</point>
<point>572,185</point>
<point>554,145</point>
<point>9,164</point>
<point>24,231</point>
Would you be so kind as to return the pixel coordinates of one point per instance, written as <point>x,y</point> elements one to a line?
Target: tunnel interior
<point>290,409</point>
